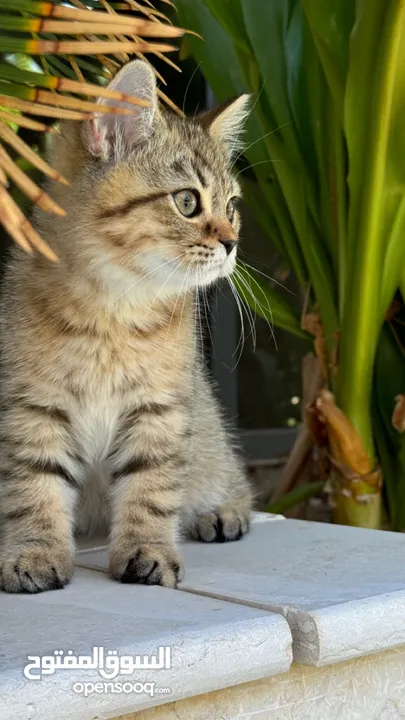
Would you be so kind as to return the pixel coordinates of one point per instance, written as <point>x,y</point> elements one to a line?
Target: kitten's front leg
<point>148,480</point>
<point>38,490</point>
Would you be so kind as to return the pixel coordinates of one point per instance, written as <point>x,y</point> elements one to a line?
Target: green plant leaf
<point>24,64</point>
<point>358,100</point>
<point>230,15</point>
<point>265,25</point>
<point>331,23</point>
<point>295,497</point>
<point>289,169</point>
<point>371,114</point>
<point>305,83</point>
<point>329,84</point>
<point>230,81</point>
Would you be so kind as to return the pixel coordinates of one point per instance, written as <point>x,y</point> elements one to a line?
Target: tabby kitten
<point>107,416</point>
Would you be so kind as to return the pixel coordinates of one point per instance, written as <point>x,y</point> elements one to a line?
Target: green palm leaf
<point>44,72</point>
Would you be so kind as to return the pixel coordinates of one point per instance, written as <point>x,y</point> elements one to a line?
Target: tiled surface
<point>341,589</point>
<point>338,593</point>
<point>214,644</point>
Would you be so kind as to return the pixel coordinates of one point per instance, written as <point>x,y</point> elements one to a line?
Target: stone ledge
<point>214,645</point>
<point>367,688</point>
<point>341,589</point>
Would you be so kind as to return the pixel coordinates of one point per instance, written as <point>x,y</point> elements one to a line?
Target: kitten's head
<point>165,196</point>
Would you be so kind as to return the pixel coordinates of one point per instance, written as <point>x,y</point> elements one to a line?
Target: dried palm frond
<point>44,74</point>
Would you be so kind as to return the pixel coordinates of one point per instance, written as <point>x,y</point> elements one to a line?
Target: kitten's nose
<point>228,245</point>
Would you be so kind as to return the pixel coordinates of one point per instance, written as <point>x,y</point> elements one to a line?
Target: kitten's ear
<point>112,136</point>
<point>225,123</point>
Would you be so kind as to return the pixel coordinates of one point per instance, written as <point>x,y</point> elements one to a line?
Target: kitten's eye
<point>230,209</point>
<point>188,202</point>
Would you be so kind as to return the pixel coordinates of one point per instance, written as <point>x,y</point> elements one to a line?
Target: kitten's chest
<point>112,381</point>
<point>105,368</point>
<point>105,387</point>
<point>95,425</point>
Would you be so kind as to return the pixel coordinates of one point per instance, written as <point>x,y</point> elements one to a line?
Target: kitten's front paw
<point>148,564</point>
<point>225,525</point>
<point>34,569</point>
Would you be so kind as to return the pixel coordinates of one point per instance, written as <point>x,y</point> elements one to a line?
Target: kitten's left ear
<point>225,123</point>
<point>112,135</point>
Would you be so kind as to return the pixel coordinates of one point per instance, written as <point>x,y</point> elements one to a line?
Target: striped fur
<point>107,416</point>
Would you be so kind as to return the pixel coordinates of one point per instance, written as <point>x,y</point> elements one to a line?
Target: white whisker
<point>260,306</point>
<point>263,137</point>
<point>177,300</point>
<point>198,305</point>
<point>268,277</point>
<point>189,84</point>
<point>184,303</point>
<point>242,333</point>
<point>248,309</point>
<point>207,312</point>
<point>151,272</point>
<point>260,162</point>
<point>159,291</point>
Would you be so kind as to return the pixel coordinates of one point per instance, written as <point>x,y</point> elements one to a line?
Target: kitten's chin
<point>209,275</point>
<point>168,275</point>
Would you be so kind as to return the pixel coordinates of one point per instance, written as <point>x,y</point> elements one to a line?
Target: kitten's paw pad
<point>36,569</point>
<point>223,526</point>
<point>152,564</point>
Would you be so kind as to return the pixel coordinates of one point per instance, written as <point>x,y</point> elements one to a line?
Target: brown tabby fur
<point>107,416</point>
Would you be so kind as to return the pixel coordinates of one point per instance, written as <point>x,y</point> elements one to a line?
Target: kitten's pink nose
<point>228,245</point>
<point>220,231</point>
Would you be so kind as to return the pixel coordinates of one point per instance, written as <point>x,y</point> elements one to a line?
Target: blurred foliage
<point>325,175</point>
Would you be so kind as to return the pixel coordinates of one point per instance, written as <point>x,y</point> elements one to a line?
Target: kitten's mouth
<point>183,271</point>
<point>209,272</point>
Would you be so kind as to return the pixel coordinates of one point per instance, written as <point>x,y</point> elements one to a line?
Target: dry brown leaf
<point>143,28</point>
<point>398,416</point>
<point>23,228</point>
<point>93,47</point>
<point>15,141</point>
<point>170,103</point>
<point>311,323</point>
<point>31,189</point>
<point>3,178</point>
<point>44,110</point>
<point>10,221</point>
<point>80,22</point>
<point>345,443</point>
<point>23,121</point>
<point>79,75</point>
<point>49,98</point>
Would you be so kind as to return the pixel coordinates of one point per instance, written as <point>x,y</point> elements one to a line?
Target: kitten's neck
<point>86,302</point>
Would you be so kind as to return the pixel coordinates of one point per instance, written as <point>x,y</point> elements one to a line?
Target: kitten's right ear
<point>112,136</point>
<point>225,122</point>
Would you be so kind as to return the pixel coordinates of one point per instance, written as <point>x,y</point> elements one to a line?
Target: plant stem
<point>341,211</point>
<point>296,496</point>
<point>350,511</point>
<point>361,322</point>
